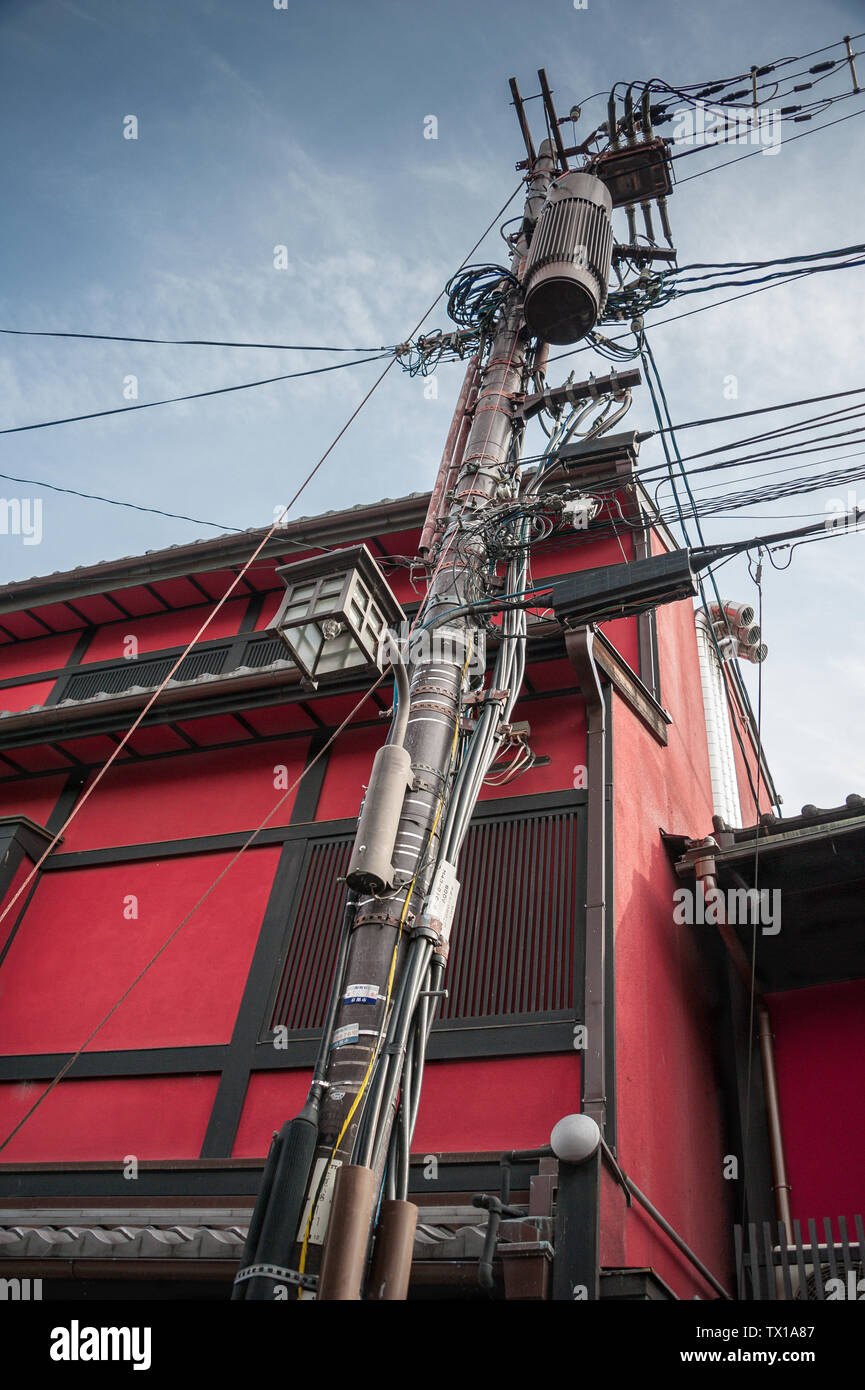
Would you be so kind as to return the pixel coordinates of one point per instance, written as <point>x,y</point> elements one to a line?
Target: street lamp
<point>336,612</point>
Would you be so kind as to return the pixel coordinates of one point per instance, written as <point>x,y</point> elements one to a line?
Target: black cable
<point>194,396</point>
<point>727,676</point>
<point>700,309</point>
<point>761,410</point>
<point>725,163</point>
<point>187,342</point>
<point>115,502</point>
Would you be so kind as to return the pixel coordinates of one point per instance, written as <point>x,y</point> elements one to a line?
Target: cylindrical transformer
<point>569,259</point>
<point>371,867</point>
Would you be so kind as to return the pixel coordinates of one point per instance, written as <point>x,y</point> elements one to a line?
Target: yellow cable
<point>375,1051</point>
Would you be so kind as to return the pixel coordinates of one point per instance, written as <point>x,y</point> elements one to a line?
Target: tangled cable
<point>476,293</point>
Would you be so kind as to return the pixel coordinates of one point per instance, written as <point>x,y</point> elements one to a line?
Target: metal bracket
<point>285,1276</point>
<point>614,384</point>
<point>384,919</point>
<point>480,697</point>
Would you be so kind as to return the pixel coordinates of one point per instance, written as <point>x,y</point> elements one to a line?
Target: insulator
<point>665,221</point>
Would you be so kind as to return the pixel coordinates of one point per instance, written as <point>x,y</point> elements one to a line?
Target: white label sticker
<point>349,1033</point>
<point>318,1227</point>
<point>442,900</point>
<point>361,994</point>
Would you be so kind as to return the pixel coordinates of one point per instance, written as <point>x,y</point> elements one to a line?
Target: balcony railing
<point>774,1265</point>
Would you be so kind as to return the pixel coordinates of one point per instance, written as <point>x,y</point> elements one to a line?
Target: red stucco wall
<point>670,1139</point>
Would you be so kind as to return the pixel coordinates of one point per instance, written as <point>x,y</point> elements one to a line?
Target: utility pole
<point>393,953</point>
<point>437,683</point>
<point>341,1167</point>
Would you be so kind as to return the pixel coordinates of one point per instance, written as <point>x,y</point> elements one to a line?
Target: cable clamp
<point>431,929</point>
<point>285,1276</point>
<point>481,697</point>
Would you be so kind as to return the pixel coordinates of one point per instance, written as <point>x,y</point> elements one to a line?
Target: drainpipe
<point>704,870</point>
<point>773,1113</point>
<point>579,643</point>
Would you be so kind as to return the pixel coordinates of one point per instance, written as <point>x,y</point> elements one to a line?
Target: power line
<point>187,342</point>
<point>194,396</point>
<point>724,163</point>
<point>733,415</point>
<point>761,410</point>
<point>115,502</point>
<point>744,76</point>
<point>701,309</point>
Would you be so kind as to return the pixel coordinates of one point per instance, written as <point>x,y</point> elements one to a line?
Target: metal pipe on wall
<point>579,643</point>
<point>780,1184</point>
<point>343,1259</point>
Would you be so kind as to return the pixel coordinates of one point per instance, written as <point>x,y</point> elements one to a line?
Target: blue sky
<point>305,127</point>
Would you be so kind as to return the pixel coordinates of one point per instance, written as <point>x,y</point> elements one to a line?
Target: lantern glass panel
<point>306,643</point>
<point>340,653</point>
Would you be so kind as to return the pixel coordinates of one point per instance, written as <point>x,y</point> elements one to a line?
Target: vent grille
<point>513,942</point>
<point>125,675</point>
<point>512,946</point>
<point>301,1000</point>
<point>261,651</point>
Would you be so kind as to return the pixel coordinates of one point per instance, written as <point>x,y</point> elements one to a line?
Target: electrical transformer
<point>569,260</point>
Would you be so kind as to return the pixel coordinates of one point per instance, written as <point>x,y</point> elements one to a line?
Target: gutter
<point>335,528</point>
<point>579,643</point>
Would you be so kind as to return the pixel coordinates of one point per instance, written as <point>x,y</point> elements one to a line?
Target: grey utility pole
<point>378,955</point>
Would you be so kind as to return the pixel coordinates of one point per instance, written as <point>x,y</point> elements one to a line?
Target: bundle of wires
<point>476,293</point>
<point>655,288</point>
<point>769,82</point>
<point>423,355</point>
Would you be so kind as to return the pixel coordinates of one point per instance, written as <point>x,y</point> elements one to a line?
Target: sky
<point>303,127</point>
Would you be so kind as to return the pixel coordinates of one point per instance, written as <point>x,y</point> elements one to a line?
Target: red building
<point>143,1161</point>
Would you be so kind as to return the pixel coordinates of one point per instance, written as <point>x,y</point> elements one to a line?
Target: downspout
<point>579,643</point>
<point>773,1114</point>
<point>705,874</point>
